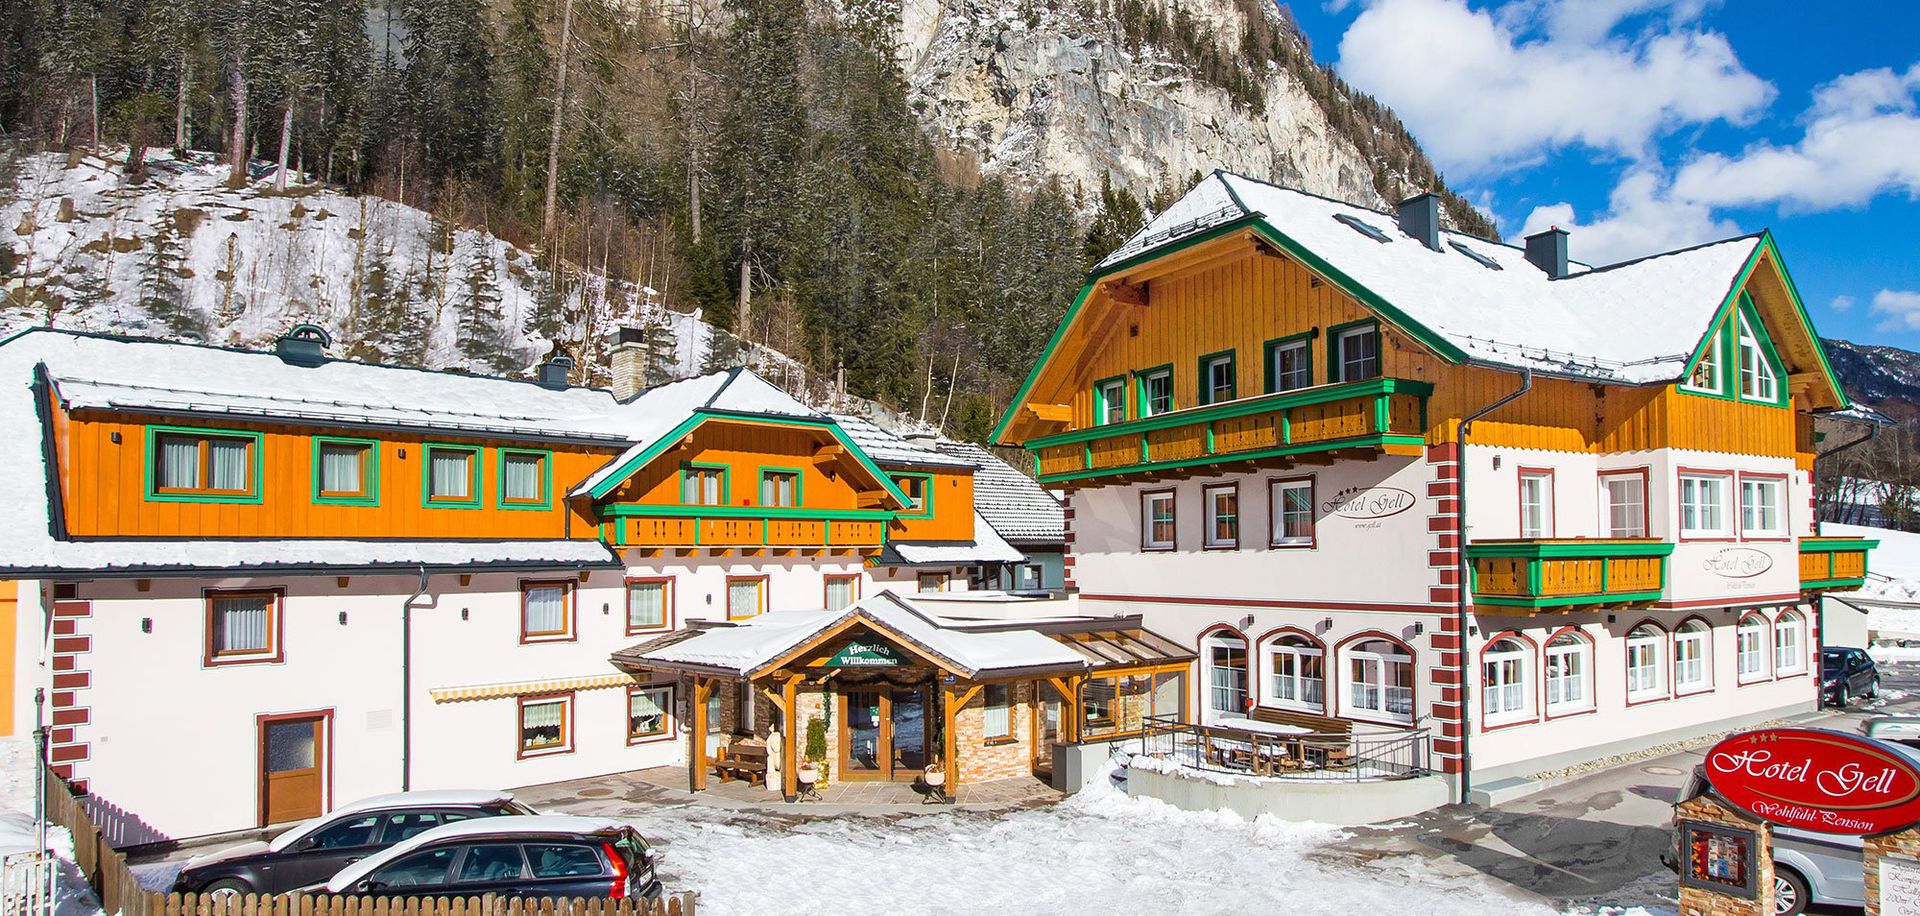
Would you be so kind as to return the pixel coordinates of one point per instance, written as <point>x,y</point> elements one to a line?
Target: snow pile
<point>183,256</point>
<point>16,826</point>
<point>1893,568</point>
<point>16,773</point>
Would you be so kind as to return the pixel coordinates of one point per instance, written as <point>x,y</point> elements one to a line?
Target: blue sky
<point>1645,125</point>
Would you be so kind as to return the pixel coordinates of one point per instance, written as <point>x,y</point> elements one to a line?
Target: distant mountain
<point>1885,378</point>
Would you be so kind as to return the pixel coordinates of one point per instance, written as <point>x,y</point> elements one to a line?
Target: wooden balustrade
<point>1834,564</point>
<point>1540,574</point>
<point>735,527</point>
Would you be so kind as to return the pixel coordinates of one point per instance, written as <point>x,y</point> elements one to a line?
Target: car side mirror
<point>370,885</point>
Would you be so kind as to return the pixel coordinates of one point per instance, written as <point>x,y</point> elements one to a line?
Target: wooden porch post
<point>790,754</point>
<point>697,753</point>
<point>950,711</point>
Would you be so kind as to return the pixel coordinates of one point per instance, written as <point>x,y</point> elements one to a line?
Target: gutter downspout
<point>1463,590</point>
<point>406,683</point>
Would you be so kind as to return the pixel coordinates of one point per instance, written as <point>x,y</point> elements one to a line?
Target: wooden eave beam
<point>1124,293</point>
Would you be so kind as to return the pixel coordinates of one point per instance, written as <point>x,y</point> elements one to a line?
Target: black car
<point>550,856</point>
<point>317,849</point>
<point>1846,674</point>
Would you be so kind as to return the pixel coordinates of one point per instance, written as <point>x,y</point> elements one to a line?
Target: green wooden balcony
<point>1833,564</point>
<point>1541,574</point>
<point>1383,415</point>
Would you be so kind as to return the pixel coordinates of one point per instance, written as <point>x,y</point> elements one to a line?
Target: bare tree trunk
<point>743,309</point>
<point>693,191</point>
<point>237,145</point>
<point>551,214</point>
<point>93,84</point>
<point>180,106</point>
<point>286,144</point>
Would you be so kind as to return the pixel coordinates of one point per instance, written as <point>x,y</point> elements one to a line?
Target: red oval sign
<point>1813,779</point>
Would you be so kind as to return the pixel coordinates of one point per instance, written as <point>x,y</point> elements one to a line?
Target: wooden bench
<point>742,761</point>
<point>1330,745</point>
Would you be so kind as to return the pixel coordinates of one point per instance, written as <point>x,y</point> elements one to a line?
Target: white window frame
<point>1753,521</point>
<point>1703,483</point>
<point>1291,674</point>
<point>1653,685</point>
<point>1209,497</point>
<point>1536,507</point>
<point>1789,655</point>
<point>1235,688</point>
<point>1208,383</point>
<point>1340,360</point>
<point>1274,354</point>
<point>1609,502</point>
<point>1751,649</point>
<point>1276,512</point>
<point>1146,392</point>
<point>1710,359</point>
<point>1506,682</point>
<point>1766,385</point>
<point>1697,634</point>
<point>1378,662</point>
<point>1147,501</point>
<point>1109,394</point>
<point>1574,660</point>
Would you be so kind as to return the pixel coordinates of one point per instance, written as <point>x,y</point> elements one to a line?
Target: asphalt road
<point>1594,839</point>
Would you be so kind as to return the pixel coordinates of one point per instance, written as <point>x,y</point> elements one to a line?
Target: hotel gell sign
<point>1819,780</point>
<point>859,654</point>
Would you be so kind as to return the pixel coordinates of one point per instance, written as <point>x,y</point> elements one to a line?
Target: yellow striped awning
<point>529,688</point>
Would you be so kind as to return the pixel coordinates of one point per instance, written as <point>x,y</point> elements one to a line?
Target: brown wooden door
<point>293,768</point>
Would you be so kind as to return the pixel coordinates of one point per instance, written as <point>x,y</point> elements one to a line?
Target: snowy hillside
<point>181,255</point>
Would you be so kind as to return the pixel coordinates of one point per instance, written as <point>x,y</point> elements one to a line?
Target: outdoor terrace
<point>1376,415</point>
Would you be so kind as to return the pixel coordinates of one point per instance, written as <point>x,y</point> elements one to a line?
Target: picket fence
<point>120,892</point>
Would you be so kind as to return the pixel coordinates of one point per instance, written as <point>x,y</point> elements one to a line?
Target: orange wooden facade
<point>105,487</point>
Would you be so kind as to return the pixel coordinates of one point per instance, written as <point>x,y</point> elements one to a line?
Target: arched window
<point>1506,691</point>
<point>1750,647</point>
<point>1646,663</point>
<point>1379,681</point>
<point>1691,649</point>
<point>1789,649</point>
<point>1297,673</point>
<point>1569,668</point>
<point>1225,655</point>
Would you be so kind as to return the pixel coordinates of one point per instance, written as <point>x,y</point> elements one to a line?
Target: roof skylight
<point>1364,228</point>
<point>1478,258</point>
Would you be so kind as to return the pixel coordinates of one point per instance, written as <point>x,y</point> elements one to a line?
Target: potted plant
<point>815,764</point>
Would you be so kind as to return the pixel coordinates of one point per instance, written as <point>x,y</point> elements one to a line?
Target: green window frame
<point>545,500</point>
<point>1270,380</point>
<point>475,454</point>
<point>799,485</point>
<point>1205,377</point>
<point>1145,399</point>
<point>1721,351</point>
<point>1336,368</point>
<point>726,483</point>
<point>1104,392</point>
<point>369,473</point>
<point>256,447</point>
<point>926,495</point>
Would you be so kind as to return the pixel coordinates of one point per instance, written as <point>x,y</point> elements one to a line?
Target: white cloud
<point>1640,220</point>
<point>1899,309</point>
<point>1841,304</point>
<point>1862,139</point>
<point>1483,90</point>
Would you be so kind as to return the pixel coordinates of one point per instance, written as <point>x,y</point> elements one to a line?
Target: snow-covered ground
<point>16,826</point>
<point>1893,567</point>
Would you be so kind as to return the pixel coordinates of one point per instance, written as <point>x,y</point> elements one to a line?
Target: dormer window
<point>203,465</point>
<point>1757,379</point>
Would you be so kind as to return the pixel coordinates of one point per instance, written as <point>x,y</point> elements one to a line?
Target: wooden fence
<point>120,892</point>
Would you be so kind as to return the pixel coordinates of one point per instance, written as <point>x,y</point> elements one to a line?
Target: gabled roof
<point>987,546</point>
<point>896,451</point>
<point>1022,511</point>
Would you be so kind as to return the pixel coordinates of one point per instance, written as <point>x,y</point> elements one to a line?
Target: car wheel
<point>1789,892</point>
<point>227,887</point>
<point>1841,698</point>
<point>1873,689</point>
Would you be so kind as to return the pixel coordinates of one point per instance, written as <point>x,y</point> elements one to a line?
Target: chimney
<point>303,345</point>
<point>629,362</point>
<point>1419,217</point>
<point>1548,251</point>
<point>553,373</point>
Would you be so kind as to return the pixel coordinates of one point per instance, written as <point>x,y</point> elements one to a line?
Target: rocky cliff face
<point>1029,92</point>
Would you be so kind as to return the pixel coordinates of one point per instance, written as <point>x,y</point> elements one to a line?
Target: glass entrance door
<point>864,735</point>
<point>908,719</point>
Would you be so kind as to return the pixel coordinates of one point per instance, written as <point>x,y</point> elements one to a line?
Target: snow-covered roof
<point>1022,511</point>
<point>511,825</point>
<point>987,546</point>
<point>745,647</point>
<point>34,554</point>
<point>892,450</point>
<point>657,412</point>
<point>424,798</point>
<point>1636,322</point>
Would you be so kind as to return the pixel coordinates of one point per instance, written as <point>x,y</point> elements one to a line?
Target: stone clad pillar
<point>1892,865</point>
<point>1743,885</point>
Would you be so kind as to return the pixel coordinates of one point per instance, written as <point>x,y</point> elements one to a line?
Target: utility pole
<point>551,214</point>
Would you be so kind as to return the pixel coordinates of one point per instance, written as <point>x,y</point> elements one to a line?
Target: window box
<point>187,464</point>
<point>244,627</point>
<point>450,476</point>
<point>346,472</point>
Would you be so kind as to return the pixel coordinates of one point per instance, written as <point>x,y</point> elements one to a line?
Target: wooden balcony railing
<point>744,527</point>
<point>1566,573</point>
<point>1382,413</point>
<point>1833,563</point>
